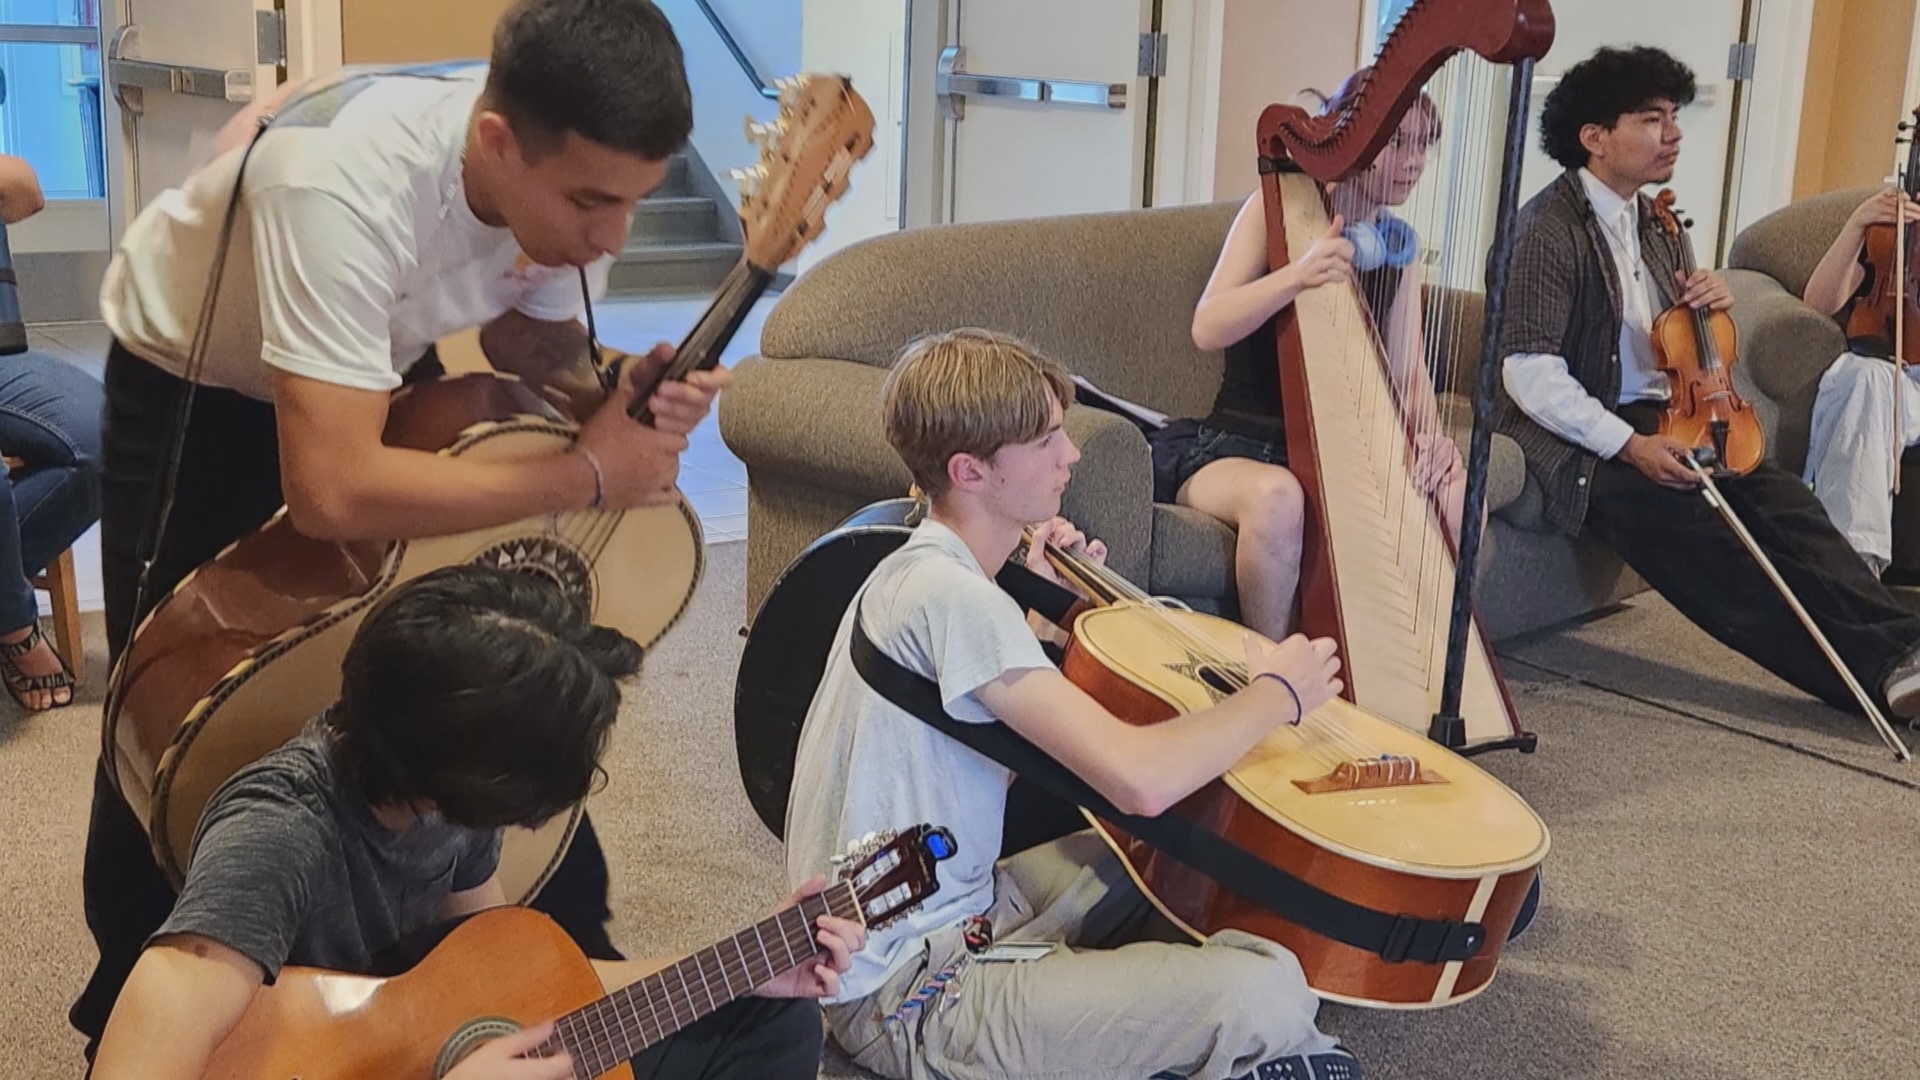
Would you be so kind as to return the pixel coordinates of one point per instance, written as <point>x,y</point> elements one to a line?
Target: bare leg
<point>1265,506</point>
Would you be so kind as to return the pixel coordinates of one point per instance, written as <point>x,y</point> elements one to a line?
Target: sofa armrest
<point>1785,347</point>
<point>1784,344</point>
<point>812,421</point>
<point>817,423</point>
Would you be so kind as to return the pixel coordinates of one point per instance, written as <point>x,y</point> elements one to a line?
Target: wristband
<point>1299,714</point>
<point>599,490</point>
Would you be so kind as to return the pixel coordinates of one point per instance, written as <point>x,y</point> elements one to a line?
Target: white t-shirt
<point>866,766</point>
<point>354,252</point>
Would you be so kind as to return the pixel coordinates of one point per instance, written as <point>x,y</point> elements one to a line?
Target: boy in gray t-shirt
<point>976,417</point>
<point>471,700</point>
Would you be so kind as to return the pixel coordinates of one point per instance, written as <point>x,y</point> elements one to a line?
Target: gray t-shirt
<point>866,766</point>
<point>289,868</point>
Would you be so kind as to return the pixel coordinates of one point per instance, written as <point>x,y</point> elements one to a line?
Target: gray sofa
<point>1785,346</point>
<point>1111,296</point>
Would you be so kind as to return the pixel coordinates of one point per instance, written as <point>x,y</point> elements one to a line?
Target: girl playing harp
<point>1233,463</point>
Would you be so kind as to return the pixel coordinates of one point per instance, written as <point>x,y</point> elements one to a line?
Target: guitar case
<point>786,655</point>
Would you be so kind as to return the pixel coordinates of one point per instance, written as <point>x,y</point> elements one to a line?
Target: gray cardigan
<point>1563,298</point>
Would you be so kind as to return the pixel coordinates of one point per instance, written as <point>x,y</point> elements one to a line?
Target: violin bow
<point>1718,502</point>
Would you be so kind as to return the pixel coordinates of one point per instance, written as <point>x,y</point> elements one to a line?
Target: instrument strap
<point>1391,937</point>
<point>1051,601</point>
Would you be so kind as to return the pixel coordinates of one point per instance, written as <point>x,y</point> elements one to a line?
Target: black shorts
<point>1184,447</point>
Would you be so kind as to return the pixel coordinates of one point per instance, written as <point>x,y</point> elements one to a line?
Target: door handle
<point>953,84</point>
<point>132,78</point>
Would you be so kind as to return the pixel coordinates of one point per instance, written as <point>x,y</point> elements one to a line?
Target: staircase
<point>684,239</point>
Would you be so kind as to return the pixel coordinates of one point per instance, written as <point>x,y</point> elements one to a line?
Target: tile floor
<point>713,480</point>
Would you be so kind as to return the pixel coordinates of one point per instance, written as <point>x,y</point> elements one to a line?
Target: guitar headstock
<point>806,153</point>
<point>893,873</point>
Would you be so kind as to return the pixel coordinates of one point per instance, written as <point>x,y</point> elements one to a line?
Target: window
<point>50,93</point>
<point>1388,14</point>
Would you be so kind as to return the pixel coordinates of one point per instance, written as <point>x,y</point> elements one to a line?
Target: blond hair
<point>967,391</point>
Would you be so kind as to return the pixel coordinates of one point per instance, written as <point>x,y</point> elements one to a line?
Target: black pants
<point>1687,551</point>
<point>229,485</point>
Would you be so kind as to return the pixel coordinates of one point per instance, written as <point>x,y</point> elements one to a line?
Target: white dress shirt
<point>1539,382</point>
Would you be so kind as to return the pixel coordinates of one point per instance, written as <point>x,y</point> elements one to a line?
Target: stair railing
<point>733,46</point>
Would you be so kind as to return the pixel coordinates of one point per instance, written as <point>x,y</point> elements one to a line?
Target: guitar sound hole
<point>547,559</point>
<point>1217,680</point>
<point>470,1036</point>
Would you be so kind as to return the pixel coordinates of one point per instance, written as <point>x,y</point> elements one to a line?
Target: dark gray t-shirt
<point>288,868</point>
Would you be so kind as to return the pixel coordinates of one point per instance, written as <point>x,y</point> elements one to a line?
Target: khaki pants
<point>1121,1000</point>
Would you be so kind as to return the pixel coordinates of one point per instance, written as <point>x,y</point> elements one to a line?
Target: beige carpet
<point>1719,905</point>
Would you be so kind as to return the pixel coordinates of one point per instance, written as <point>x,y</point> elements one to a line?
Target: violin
<point>1696,347</point>
<point>1342,799</point>
<point>1886,316</point>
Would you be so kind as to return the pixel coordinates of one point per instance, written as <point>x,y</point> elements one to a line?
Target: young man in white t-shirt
<point>380,212</point>
<point>976,418</point>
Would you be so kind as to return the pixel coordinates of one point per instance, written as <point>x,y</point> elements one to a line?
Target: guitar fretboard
<point>607,1032</point>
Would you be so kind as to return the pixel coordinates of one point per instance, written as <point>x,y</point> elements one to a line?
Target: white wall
<point>864,39</point>
<point>769,33</point>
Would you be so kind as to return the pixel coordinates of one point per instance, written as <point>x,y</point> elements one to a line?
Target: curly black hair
<point>1604,87</point>
<point>487,693</point>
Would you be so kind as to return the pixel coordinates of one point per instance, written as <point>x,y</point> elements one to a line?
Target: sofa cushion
<point>1192,554</point>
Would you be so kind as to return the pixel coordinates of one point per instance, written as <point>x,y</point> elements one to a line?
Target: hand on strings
<point>819,975</point>
<point>1661,459</point>
<point>637,464</point>
<point>1705,289</point>
<point>678,406</point>
<point>1329,260</point>
<point>502,1059</point>
<point>1880,207</point>
<point>1061,534</point>
<point>1436,462</point>
<point>1309,666</point>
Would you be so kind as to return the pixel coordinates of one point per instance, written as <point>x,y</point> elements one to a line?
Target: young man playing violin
<point>382,211</point>
<point>976,418</point>
<point>472,699</point>
<point>1850,451</point>
<point>1583,397</point>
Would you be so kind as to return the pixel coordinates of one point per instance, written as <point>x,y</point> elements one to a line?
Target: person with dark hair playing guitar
<point>378,214</point>
<point>473,699</point>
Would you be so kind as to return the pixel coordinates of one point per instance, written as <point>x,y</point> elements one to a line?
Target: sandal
<point>19,684</point>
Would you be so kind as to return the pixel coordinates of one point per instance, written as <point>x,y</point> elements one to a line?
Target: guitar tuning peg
<point>762,135</point>
<point>749,179</point>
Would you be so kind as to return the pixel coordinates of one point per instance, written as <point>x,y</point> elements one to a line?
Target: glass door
<point>50,116</point>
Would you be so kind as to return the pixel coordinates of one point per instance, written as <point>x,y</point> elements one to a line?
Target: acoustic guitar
<point>511,967</point>
<point>248,648</point>
<point>1347,801</point>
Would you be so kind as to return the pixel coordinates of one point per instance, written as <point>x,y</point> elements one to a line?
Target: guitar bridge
<point>1360,774</point>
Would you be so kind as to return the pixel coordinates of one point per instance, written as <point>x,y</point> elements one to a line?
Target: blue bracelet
<point>1299,714</point>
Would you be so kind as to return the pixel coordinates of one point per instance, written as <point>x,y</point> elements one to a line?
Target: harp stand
<point>1697,461</point>
<point>1449,727</point>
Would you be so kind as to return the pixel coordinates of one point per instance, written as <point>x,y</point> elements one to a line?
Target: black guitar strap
<point>1393,938</point>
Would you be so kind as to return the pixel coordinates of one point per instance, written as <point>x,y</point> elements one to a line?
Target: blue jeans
<point>50,419</point>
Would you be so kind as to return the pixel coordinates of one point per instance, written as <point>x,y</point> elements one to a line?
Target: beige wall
<point>1270,51</point>
<point>400,31</point>
<point>1856,66</point>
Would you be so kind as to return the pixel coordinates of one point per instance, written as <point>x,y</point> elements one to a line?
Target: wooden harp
<point>1381,573</point>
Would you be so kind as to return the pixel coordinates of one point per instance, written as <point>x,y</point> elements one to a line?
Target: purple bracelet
<point>1299,714</point>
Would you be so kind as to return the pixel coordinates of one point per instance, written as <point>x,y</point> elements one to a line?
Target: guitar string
<point>1233,672</point>
<point>618,1037</point>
